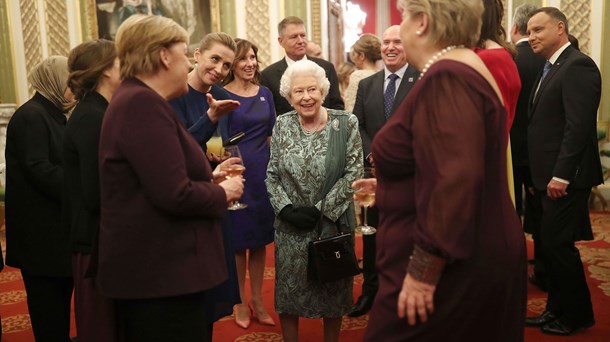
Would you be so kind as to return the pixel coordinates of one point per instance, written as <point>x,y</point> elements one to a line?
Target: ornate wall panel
<point>58,37</point>
<point>316,22</point>
<point>258,29</point>
<point>579,19</point>
<point>7,69</point>
<point>31,35</point>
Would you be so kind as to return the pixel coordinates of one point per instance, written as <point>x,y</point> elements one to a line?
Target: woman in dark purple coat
<point>160,243</point>
<point>451,253</point>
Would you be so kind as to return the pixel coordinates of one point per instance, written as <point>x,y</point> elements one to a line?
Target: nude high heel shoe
<point>242,315</point>
<point>261,315</point>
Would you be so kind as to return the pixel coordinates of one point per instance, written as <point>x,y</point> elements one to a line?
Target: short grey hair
<point>303,67</point>
<point>522,15</point>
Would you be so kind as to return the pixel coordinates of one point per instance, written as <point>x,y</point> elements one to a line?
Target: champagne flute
<point>233,170</point>
<point>365,196</point>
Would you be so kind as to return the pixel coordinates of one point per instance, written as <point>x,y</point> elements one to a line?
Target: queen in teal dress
<point>309,145</point>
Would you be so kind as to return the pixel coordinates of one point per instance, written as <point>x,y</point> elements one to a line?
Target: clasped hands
<point>234,186</point>
<point>303,218</point>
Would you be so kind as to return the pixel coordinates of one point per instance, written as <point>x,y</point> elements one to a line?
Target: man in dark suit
<point>293,39</point>
<point>529,65</point>
<point>374,105</point>
<point>564,164</point>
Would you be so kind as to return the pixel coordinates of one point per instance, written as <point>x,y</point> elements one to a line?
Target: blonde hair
<point>369,45</point>
<point>211,39</point>
<point>139,40</point>
<point>303,67</point>
<point>450,22</point>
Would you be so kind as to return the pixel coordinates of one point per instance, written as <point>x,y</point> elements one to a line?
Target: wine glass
<point>365,196</point>
<point>233,170</point>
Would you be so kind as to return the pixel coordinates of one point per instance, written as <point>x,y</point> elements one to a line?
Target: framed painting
<point>198,17</point>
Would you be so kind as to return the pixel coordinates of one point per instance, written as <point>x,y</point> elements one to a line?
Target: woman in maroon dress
<point>452,255</point>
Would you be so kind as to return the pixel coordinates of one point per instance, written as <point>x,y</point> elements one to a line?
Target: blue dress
<point>252,227</point>
<point>192,110</point>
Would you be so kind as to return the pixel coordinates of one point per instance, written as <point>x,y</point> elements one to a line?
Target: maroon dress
<point>441,170</point>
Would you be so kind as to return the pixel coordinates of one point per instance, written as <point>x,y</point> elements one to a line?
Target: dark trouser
<point>370,285</point>
<point>532,224</point>
<point>562,221</point>
<point>167,319</point>
<point>94,313</point>
<point>48,301</point>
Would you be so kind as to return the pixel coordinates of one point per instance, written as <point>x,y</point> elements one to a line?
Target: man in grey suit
<point>529,65</point>
<point>564,164</point>
<point>293,39</point>
<point>377,97</point>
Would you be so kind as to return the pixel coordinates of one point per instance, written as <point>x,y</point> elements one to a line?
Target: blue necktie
<point>547,67</point>
<point>388,96</point>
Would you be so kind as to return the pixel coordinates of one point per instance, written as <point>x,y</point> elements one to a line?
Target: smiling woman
<point>315,153</point>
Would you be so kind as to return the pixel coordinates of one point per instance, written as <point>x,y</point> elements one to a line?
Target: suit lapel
<point>281,68</point>
<point>549,78</point>
<point>409,78</point>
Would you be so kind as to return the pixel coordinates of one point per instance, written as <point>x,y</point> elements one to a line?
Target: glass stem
<point>364,221</point>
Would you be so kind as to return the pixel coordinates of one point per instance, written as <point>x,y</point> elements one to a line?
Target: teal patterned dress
<point>295,175</point>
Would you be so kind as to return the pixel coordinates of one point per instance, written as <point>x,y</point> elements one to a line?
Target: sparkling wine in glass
<point>233,170</point>
<point>365,196</point>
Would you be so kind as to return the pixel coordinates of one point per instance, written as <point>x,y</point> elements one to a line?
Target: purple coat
<point>160,231</point>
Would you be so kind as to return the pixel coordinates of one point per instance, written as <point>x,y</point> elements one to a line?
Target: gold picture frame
<point>198,17</point>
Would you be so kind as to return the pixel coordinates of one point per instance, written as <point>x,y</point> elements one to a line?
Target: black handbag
<point>331,258</point>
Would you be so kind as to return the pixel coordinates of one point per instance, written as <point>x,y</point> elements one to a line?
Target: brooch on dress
<point>335,125</point>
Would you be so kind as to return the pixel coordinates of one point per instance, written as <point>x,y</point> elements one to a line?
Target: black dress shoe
<point>362,306</point>
<point>538,321</point>
<point>541,285</point>
<point>564,328</point>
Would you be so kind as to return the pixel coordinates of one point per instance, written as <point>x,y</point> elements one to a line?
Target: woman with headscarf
<point>35,240</point>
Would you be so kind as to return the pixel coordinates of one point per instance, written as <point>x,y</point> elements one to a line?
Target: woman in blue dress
<point>206,102</point>
<point>200,111</point>
<point>252,227</point>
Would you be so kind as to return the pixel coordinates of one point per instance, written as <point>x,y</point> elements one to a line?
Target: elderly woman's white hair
<point>303,68</point>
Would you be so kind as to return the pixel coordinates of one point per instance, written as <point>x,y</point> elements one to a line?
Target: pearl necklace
<point>436,57</point>
<point>310,132</point>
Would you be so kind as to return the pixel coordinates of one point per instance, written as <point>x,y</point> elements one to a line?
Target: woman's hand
<point>234,188</point>
<point>218,108</point>
<point>220,175</point>
<point>416,300</point>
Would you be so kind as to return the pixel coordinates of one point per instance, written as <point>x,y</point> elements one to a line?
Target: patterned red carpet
<point>595,254</point>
